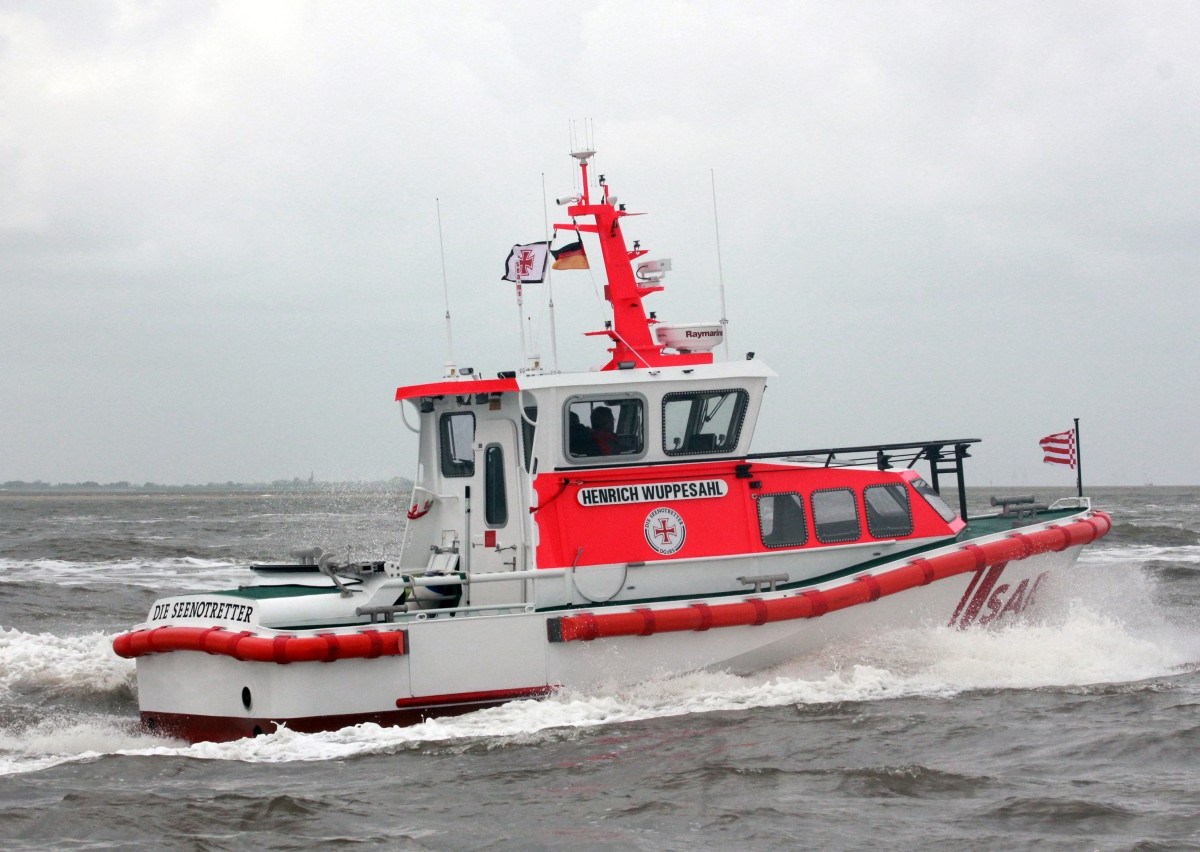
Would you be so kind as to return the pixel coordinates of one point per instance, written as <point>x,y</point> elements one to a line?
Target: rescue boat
<point>599,528</point>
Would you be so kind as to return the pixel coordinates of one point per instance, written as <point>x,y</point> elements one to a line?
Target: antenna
<point>450,365</point>
<point>550,281</point>
<point>720,269</point>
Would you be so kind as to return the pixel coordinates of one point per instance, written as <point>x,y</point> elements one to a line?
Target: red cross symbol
<point>667,532</point>
<point>524,262</point>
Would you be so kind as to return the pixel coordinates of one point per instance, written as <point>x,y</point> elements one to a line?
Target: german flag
<point>570,256</point>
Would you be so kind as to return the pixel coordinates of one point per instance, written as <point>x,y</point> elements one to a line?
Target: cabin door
<point>497,514</point>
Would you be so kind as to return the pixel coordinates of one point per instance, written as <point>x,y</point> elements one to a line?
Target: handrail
<point>459,578</point>
<point>825,451</point>
<point>881,455</point>
<point>426,614</point>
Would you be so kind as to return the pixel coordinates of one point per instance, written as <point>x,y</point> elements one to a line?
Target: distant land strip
<point>397,483</point>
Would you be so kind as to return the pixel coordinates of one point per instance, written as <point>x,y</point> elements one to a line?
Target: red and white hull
<point>210,689</point>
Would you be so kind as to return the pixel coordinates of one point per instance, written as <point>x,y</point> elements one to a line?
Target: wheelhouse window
<point>457,439</point>
<point>934,499</point>
<point>835,515</point>
<point>495,498</point>
<point>605,426</point>
<point>888,512</point>
<point>703,421</point>
<point>781,520</point>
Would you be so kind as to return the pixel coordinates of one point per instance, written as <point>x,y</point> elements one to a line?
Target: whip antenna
<point>720,269</point>
<point>550,282</point>
<point>451,368</point>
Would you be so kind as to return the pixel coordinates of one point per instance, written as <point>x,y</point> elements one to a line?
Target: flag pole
<point>521,321</point>
<point>1078,461</point>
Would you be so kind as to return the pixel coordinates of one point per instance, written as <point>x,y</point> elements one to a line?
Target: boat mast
<point>630,328</point>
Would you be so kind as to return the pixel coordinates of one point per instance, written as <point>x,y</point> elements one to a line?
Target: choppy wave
<point>1114,635</point>
<point>1136,554</point>
<point>54,667</point>
<point>1126,533</point>
<point>182,573</point>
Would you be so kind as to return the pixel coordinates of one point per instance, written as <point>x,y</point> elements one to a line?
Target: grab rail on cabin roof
<point>943,457</point>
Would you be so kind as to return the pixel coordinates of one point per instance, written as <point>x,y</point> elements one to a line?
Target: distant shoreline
<point>17,487</point>
<point>398,484</point>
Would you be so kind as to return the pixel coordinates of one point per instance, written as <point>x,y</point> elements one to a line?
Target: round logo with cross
<point>665,530</point>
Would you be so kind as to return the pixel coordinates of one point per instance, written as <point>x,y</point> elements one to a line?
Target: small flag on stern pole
<point>1059,448</point>
<point>570,256</point>
<point>527,264</point>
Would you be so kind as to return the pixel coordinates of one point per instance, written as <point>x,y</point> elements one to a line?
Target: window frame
<point>803,517</point>
<point>603,399</point>
<point>452,468</point>
<point>490,492</point>
<point>934,500</point>
<point>891,487</point>
<point>742,403</point>
<point>857,516</point>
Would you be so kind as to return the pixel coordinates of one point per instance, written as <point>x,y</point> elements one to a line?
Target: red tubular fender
<point>816,602</point>
<point>283,649</point>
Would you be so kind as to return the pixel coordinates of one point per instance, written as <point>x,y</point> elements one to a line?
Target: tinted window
<point>605,426</point>
<point>934,499</point>
<point>457,432</point>
<point>888,514</point>
<point>495,500</point>
<point>702,422</point>
<point>781,520</point>
<point>835,515</point>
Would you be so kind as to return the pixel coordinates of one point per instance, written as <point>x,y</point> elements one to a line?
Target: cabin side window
<point>781,520</point>
<point>457,439</point>
<point>598,427</point>
<point>835,515</point>
<point>528,427</point>
<point>495,498</point>
<point>888,513</point>
<point>703,421</point>
<point>934,499</point>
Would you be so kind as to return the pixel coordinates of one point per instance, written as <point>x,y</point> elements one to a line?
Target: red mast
<point>633,343</point>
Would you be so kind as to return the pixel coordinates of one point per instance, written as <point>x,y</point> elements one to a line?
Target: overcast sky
<point>218,220</point>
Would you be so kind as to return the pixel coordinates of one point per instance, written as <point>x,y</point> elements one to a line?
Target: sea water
<point>1075,729</point>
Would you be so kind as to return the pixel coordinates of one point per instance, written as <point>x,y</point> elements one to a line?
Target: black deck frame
<point>944,457</point>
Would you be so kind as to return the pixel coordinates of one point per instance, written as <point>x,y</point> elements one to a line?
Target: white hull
<point>461,663</point>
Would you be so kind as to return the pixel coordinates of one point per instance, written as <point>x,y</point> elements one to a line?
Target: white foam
<point>1079,645</point>
<point>58,740</point>
<point>1102,625</point>
<point>185,573</point>
<point>1140,554</point>
<point>58,666</point>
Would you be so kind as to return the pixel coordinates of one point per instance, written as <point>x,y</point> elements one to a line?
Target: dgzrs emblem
<point>665,531</point>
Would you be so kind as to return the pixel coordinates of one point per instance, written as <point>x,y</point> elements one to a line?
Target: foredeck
<point>992,524</point>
